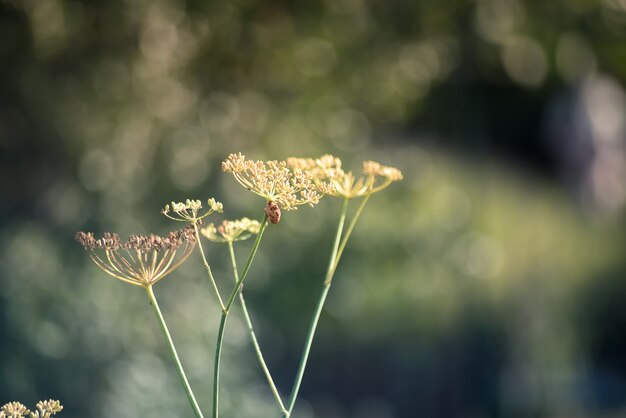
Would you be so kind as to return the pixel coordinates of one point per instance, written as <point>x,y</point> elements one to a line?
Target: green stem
<point>344,241</point>
<point>255,342</point>
<point>334,259</point>
<point>207,267</point>
<point>225,311</point>
<point>255,247</point>
<point>216,367</point>
<point>307,349</point>
<point>179,367</point>
<point>335,252</point>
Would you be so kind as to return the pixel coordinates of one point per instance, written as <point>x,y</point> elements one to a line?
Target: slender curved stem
<point>216,367</point>
<point>225,311</point>
<point>179,367</point>
<point>255,342</point>
<point>336,245</point>
<point>307,349</point>
<point>253,251</point>
<point>344,241</point>
<point>207,267</point>
<point>332,265</point>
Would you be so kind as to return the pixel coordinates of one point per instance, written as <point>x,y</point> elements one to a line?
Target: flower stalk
<point>174,354</point>
<point>332,265</point>
<point>255,342</point>
<point>208,268</point>
<point>230,232</point>
<point>225,312</point>
<point>331,273</point>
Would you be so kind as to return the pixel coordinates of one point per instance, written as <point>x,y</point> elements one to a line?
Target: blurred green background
<point>489,283</point>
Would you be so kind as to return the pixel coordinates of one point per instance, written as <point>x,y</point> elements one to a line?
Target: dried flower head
<point>344,184</point>
<point>276,182</point>
<point>46,409</point>
<point>189,211</point>
<point>231,231</point>
<point>13,410</point>
<point>142,260</point>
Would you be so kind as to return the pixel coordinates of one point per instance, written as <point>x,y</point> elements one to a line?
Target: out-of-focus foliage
<point>487,283</point>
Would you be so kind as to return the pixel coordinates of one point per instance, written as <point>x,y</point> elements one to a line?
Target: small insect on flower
<point>272,210</point>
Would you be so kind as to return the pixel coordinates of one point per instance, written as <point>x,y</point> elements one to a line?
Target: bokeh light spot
<point>314,57</point>
<point>525,61</point>
<point>95,170</point>
<point>574,57</point>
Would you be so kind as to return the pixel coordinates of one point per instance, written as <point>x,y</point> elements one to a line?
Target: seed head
<point>344,184</point>
<point>143,259</point>
<point>231,231</point>
<point>275,181</point>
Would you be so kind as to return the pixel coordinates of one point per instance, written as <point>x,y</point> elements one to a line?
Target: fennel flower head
<point>142,260</point>
<point>281,186</point>
<point>190,210</point>
<point>13,409</point>
<point>327,168</point>
<point>231,231</point>
<point>45,409</point>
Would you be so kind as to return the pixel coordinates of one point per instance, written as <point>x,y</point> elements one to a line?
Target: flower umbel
<point>327,168</point>
<point>45,409</point>
<point>13,410</point>
<point>188,211</point>
<point>142,260</point>
<point>276,182</point>
<point>231,231</point>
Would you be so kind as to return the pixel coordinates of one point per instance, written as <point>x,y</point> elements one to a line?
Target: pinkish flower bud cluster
<point>140,243</point>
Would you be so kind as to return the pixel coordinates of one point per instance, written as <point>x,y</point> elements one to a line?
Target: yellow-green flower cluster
<point>344,184</point>
<point>189,211</point>
<point>142,260</point>
<point>372,168</point>
<point>231,231</point>
<point>276,182</point>
<point>13,409</point>
<point>45,409</point>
